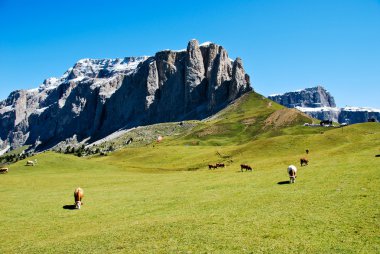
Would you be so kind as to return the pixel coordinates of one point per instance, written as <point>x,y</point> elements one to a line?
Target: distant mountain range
<point>319,103</point>
<point>95,98</point>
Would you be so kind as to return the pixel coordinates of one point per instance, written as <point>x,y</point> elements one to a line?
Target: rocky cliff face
<point>343,115</point>
<point>98,97</point>
<point>310,97</point>
<point>318,103</point>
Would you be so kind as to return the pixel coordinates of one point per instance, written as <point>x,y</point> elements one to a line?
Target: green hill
<point>162,198</point>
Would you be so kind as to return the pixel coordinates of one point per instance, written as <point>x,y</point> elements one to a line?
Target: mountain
<point>95,98</point>
<point>250,117</point>
<point>310,97</point>
<point>317,102</point>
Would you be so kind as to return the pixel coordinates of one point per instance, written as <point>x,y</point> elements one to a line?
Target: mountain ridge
<point>309,97</point>
<point>318,103</point>
<point>98,96</point>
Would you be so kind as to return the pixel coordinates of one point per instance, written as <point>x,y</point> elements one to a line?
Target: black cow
<point>325,122</point>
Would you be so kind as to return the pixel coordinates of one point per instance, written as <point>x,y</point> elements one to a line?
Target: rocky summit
<point>313,97</point>
<point>317,102</point>
<point>95,98</point>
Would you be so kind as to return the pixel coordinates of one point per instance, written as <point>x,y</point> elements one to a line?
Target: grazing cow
<point>307,151</point>
<point>246,167</point>
<point>304,161</point>
<point>220,165</point>
<point>210,166</point>
<point>78,195</point>
<point>31,163</point>
<point>292,171</point>
<point>3,170</point>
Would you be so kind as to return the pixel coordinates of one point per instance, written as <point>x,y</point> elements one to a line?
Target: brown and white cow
<point>292,171</point>
<point>4,170</point>
<point>78,195</point>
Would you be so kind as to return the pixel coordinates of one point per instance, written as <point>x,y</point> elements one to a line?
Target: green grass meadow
<point>162,198</point>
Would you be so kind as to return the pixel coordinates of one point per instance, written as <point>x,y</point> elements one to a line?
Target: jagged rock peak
<point>98,68</point>
<point>192,45</point>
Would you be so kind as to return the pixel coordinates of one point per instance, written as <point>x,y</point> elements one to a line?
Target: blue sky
<point>285,44</point>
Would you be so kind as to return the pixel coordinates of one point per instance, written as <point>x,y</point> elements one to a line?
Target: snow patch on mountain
<point>361,109</point>
<point>307,109</point>
<point>6,109</point>
<point>92,67</point>
<point>205,44</point>
<point>49,84</point>
<point>41,110</point>
<point>318,103</point>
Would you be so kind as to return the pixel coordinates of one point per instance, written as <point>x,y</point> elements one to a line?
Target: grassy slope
<point>161,198</point>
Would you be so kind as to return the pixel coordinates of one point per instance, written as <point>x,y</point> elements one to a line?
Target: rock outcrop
<point>318,103</point>
<point>314,97</point>
<point>97,97</point>
<point>348,115</point>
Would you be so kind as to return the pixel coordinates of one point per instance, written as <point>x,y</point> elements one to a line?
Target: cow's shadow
<point>283,182</point>
<point>69,207</point>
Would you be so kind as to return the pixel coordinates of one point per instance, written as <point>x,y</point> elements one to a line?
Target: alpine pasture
<point>162,198</point>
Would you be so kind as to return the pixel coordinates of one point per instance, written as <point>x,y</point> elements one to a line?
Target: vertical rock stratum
<point>94,98</point>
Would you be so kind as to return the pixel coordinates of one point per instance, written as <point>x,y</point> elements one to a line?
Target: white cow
<point>31,163</point>
<point>292,171</point>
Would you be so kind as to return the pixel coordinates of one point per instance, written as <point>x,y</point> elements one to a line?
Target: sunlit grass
<point>161,198</point>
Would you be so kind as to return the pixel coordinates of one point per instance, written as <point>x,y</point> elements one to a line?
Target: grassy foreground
<point>163,199</point>
<point>130,206</point>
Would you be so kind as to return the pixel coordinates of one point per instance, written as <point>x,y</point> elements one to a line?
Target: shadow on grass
<point>69,207</point>
<point>283,182</point>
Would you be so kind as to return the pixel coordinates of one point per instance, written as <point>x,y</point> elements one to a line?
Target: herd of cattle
<point>292,170</point>
<point>222,165</point>
<point>79,194</point>
<point>217,165</point>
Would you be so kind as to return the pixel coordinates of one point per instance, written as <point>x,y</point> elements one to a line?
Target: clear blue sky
<point>285,44</point>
